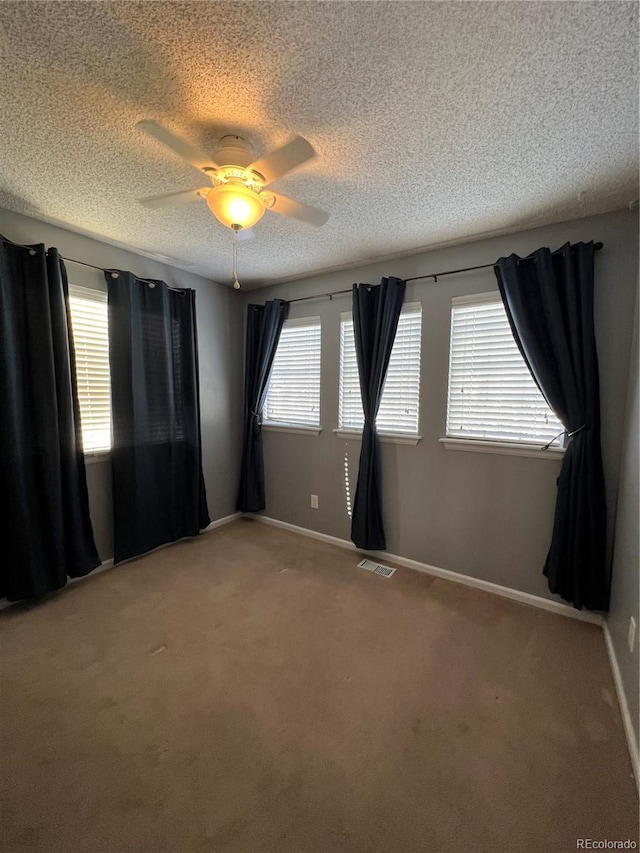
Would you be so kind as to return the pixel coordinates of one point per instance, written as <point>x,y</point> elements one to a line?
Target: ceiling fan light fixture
<point>235,204</point>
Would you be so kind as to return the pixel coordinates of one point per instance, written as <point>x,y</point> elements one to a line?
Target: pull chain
<point>234,272</point>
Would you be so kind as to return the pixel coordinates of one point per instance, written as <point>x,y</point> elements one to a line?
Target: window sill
<point>296,429</point>
<point>93,456</point>
<point>507,448</point>
<point>385,437</point>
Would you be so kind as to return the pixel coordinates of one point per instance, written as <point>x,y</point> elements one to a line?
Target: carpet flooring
<point>251,691</point>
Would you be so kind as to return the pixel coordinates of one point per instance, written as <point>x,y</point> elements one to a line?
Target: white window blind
<point>294,387</point>
<point>399,407</point>
<point>492,394</point>
<point>91,342</point>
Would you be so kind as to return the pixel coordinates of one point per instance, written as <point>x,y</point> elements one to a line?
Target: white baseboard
<point>624,705</point>
<point>505,592</point>
<point>211,526</point>
<point>227,519</point>
<point>445,574</point>
<point>107,564</point>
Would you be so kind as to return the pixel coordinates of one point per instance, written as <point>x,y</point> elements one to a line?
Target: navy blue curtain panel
<point>548,298</point>
<point>45,525</point>
<point>376,311</point>
<point>156,460</point>
<point>264,325</point>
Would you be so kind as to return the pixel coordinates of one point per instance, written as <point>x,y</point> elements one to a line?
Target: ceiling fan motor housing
<point>233,156</point>
<point>234,151</point>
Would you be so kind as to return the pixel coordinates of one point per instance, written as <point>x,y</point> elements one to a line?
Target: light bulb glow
<point>235,204</point>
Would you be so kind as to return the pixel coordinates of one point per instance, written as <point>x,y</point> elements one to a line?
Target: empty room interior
<point>319,447</point>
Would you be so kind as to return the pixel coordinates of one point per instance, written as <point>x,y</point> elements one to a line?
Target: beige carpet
<point>253,691</point>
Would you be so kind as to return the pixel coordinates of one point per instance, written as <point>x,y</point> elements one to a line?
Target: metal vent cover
<point>376,568</point>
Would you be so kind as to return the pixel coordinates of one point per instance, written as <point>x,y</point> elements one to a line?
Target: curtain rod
<point>94,267</point>
<point>101,269</point>
<point>434,275</point>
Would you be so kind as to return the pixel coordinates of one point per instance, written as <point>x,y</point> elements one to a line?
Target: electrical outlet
<point>314,502</point>
<point>631,636</point>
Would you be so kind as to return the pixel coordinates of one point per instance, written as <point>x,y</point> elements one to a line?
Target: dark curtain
<point>45,526</point>
<point>264,324</point>
<point>549,301</point>
<point>156,459</point>
<point>376,311</point>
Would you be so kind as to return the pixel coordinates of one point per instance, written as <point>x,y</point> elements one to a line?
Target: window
<point>398,411</point>
<point>492,395</point>
<point>293,398</point>
<point>91,342</point>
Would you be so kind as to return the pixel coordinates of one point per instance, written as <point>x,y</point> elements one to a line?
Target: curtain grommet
<point>114,275</point>
<point>151,284</point>
<point>32,252</point>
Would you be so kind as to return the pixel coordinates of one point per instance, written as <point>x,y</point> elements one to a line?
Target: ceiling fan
<point>237,196</point>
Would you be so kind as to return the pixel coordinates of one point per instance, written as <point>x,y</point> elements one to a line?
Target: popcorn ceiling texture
<point>432,122</point>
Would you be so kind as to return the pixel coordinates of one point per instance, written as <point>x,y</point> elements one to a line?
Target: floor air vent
<point>376,568</point>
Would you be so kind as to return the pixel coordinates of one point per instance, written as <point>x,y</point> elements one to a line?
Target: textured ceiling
<point>432,122</point>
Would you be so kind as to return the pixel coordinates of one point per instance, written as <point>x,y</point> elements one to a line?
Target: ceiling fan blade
<point>289,207</point>
<point>171,199</point>
<point>187,150</point>
<point>293,154</point>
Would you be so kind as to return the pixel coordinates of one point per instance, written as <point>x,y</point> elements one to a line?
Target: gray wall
<point>625,595</point>
<point>219,313</point>
<point>483,515</point>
